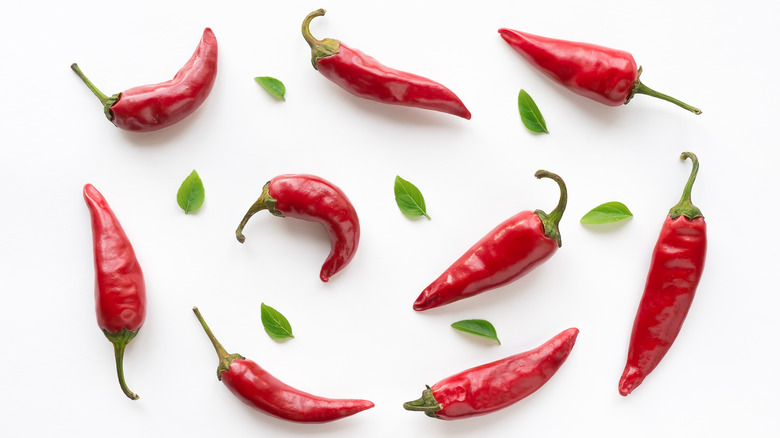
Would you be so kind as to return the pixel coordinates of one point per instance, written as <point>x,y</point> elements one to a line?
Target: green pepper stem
<point>120,341</point>
<point>640,88</point>
<point>426,403</point>
<point>224,358</point>
<point>305,27</point>
<point>550,221</point>
<point>100,95</point>
<point>319,48</point>
<point>221,352</point>
<point>107,101</point>
<point>264,202</point>
<point>685,207</point>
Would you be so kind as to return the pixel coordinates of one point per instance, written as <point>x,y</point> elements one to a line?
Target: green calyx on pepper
<point>551,220</point>
<point>426,403</point>
<point>225,359</point>
<point>264,202</point>
<point>319,48</point>
<point>685,207</point>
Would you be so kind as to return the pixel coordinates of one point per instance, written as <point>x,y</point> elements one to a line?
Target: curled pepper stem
<point>640,88</point>
<point>426,403</point>
<point>225,358</point>
<point>550,221</point>
<point>685,207</point>
<point>107,101</point>
<point>264,202</point>
<point>120,341</point>
<point>319,48</point>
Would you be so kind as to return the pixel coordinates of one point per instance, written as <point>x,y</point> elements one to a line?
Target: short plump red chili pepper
<point>120,292</point>
<point>259,389</point>
<point>363,76</point>
<point>605,75</point>
<point>152,107</point>
<point>313,199</point>
<point>675,270</point>
<point>496,385</point>
<point>509,251</point>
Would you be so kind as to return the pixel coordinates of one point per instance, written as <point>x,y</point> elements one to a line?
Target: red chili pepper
<point>152,107</point>
<point>120,293</point>
<point>496,385</point>
<point>509,251</point>
<point>675,270</point>
<point>363,76</point>
<point>259,389</point>
<point>312,199</point>
<point>605,75</point>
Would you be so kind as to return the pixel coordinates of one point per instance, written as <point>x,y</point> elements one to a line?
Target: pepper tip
<point>631,378</point>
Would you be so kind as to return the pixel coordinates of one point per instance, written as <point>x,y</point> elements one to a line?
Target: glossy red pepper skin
<point>506,253</point>
<point>675,270</point>
<point>606,75</point>
<point>313,199</point>
<point>365,77</point>
<point>120,291</point>
<point>496,385</point>
<point>259,389</point>
<point>152,107</point>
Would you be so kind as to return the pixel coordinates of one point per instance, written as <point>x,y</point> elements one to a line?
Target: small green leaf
<point>272,85</point>
<point>530,115</point>
<point>274,323</point>
<point>606,213</point>
<point>478,327</point>
<point>409,198</point>
<point>191,193</point>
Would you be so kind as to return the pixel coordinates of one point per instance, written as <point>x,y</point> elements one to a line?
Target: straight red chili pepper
<point>152,107</point>
<point>312,199</point>
<point>509,251</point>
<point>363,76</point>
<point>496,385</point>
<point>675,270</point>
<point>259,389</point>
<point>605,75</point>
<point>120,292</point>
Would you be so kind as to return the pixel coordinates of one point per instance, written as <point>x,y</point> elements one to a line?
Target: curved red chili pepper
<point>675,269</point>
<point>509,251</point>
<point>120,293</point>
<point>312,199</point>
<point>605,75</point>
<point>259,389</point>
<point>363,76</point>
<point>496,385</point>
<point>152,107</point>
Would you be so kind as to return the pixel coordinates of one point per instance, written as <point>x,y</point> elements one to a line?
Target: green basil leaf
<point>409,199</point>
<point>274,323</point>
<point>606,213</point>
<point>478,327</point>
<point>530,115</point>
<point>191,193</point>
<point>272,85</point>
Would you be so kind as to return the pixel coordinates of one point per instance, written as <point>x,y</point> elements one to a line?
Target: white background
<point>358,336</point>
